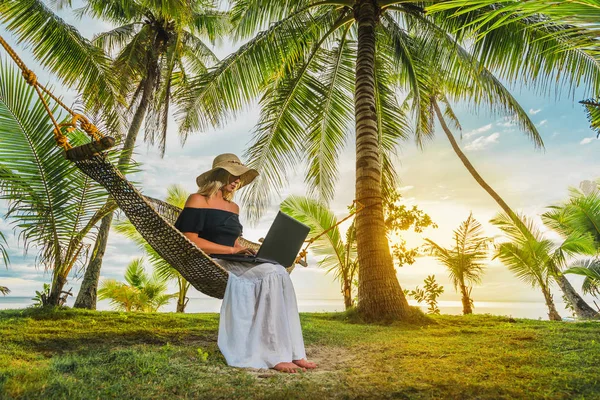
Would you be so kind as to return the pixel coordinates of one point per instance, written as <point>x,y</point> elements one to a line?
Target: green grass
<point>73,354</point>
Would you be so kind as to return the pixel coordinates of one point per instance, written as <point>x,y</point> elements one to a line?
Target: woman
<point>259,325</point>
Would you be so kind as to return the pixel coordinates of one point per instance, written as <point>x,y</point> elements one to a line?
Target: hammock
<point>152,218</point>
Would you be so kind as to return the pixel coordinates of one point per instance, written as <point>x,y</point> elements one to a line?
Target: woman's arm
<point>207,246</point>
<point>214,248</point>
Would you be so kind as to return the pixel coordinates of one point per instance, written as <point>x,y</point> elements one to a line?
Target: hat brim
<point>246,175</point>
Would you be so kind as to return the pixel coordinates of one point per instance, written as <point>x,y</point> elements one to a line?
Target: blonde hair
<point>214,183</point>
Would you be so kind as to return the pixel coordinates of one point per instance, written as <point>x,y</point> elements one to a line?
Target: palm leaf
<point>59,47</point>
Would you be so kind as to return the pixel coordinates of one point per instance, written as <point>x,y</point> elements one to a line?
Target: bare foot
<point>305,364</point>
<point>288,367</point>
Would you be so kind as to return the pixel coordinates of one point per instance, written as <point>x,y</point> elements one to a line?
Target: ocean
<point>532,310</point>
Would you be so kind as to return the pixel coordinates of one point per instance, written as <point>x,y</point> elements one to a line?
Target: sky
<point>433,178</point>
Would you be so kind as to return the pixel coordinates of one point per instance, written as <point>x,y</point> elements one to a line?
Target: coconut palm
<point>325,70</point>
<point>436,91</point>
<point>338,256</point>
<point>52,204</point>
<point>140,293</point>
<point>465,259</point>
<point>535,259</point>
<point>176,196</point>
<point>590,269</point>
<point>157,47</point>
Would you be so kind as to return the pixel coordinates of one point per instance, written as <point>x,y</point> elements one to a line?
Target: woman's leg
<point>259,323</point>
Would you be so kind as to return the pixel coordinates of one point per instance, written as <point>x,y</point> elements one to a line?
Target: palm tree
<point>339,256</point>
<point>158,48</point>
<point>534,259</point>
<point>581,308</point>
<point>176,196</point>
<point>581,213</point>
<point>52,204</point>
<point>326,69</point>
<point>140,293</point>
<point>464,259</point>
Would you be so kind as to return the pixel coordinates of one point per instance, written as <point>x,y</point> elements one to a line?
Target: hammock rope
<point>59,135</point>
<point>153,219</point>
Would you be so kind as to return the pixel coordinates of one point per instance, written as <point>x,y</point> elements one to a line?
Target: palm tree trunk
<point>552,313</point>
<point>379,293</point>
<point>87,296</point>
<point>182,298</point>
<point>582,309</point>
<point>57,286</point>
<point>466,300</point>
<point>347,292</point>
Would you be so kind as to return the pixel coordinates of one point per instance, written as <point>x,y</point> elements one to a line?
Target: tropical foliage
<point>140,293</point>
<point>581,213</point>
<point>71,57</point>
<point>534,259</point>
<point>176,196</point>
<point>429,294</point>
<point>590,269</point>
<point>464,260</point>
<point>51,203</point>
<point>325,70</point>
<point>157,47</point>
<point>337,255</point>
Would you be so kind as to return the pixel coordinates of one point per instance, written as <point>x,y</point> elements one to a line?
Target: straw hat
<point>232,164</point>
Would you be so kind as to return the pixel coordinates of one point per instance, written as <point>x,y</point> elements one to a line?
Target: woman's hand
<point>239,249</point>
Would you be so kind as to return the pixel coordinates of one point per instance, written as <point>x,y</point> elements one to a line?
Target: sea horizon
<point>521,309</point>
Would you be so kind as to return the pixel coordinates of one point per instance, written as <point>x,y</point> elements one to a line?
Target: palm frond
<point>59,47</point>
<point>333,117</point>
<point>320,219</point>
<point>50,200</point>
<point>528,46</point>
<point>590,269</point>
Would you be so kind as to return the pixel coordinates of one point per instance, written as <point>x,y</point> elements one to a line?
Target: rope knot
<point>61,139</point>
<point>30,77</point>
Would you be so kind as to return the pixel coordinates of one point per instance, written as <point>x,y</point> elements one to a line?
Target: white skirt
<point>259,325</point>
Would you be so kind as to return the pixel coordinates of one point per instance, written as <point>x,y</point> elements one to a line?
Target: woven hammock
<point>154,220</point>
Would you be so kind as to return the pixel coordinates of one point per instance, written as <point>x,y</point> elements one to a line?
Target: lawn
<point>88,354</point>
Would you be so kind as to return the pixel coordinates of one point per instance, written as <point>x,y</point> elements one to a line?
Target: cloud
<point>483,142</point>
<point>543,122</point>
<point>533,112</point>
<point>478,131</point>
<point>587,140</point>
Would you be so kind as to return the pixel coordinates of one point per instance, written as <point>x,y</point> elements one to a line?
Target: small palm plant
<point>465,259</point>
<point>590,269</point>
<point>176,196</point>
<point>535,259</point>
<point>140,293</point>
<point>580,214</point>
<point>339,256</point>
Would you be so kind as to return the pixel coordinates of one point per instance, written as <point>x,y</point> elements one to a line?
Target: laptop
<point>281,245</point>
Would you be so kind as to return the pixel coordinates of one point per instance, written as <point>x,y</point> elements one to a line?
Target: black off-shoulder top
<point>218,226</point>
